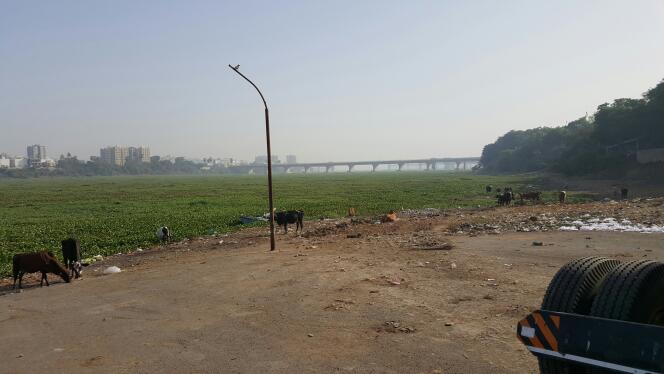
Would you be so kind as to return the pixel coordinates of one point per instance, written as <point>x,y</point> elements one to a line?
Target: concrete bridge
<point>461,163</point>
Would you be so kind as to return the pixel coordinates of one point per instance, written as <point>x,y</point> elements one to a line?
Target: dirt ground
<point>347,296</point>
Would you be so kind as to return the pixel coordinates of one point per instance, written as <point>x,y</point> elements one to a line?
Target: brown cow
<point>536,196</point>
<point>34,262</point>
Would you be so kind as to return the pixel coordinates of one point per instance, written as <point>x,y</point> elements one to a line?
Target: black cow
<point>71,253</point>
<point>488,188</point>
<point>290,216</point>
<point>505,198</point>
<point>623,193</point>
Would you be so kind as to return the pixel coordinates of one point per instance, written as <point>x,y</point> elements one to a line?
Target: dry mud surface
<point>344,297</point>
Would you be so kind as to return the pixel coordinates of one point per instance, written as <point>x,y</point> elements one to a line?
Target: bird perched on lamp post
<point>236,67</point>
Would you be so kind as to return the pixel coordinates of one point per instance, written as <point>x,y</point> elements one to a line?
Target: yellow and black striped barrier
<point>620,346</point>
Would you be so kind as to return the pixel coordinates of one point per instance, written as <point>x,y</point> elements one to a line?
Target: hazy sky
<point>344,79</point>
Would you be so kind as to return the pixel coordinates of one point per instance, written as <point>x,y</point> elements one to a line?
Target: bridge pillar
<point>457,165</point>
<point>350,168</point>
<point>327,168</point>
<point>464,165</point>
<point>433,165</point>
<point>373,167</point>
<point>401,166</point>
<point>306,169</point>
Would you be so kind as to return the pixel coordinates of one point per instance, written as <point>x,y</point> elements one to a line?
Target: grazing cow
<point>498,190</point>
<point>562,196</point>
<point>43,262</point>
<point>505,198</point>
<point>623,192</point>
<point>488,188</point>
<point>163,234</point>
<point>71,253</point>
<point>535,195</point>
<point>291,216</point>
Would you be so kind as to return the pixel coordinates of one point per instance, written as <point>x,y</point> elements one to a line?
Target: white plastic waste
<point>112,270</point>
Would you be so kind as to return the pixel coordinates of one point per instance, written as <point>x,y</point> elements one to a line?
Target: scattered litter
<point>611,224</point>
<point>538,244</point>
<point>112,270</point>
<point>310,335</point>
<point>394,327</point>
<point>453,265</point>
<point>90,260</point>
<point>449,324</point>
<point>440,247</point>
<point>20,355</point>
<point>246,220</point>
<point>354,236</point>
<point>221,242</point>
<point>425,212</point>
<point>139,249</point>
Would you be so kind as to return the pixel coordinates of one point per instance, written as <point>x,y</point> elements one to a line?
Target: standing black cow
<point>623,193</point>
<point>290,216</point>
<point>506,197</point>
<point>71,253</point>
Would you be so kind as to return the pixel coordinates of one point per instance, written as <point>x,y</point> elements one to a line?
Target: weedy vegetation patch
<point>118,214</point>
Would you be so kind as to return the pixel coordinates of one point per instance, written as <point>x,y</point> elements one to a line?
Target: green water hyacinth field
<point>118,214</point>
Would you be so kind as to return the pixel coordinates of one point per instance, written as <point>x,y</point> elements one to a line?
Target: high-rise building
<point>119,155</point>
<point>141,154</point>
<point>114,155</point>
<point>291,159</point>
<point>36,152</point>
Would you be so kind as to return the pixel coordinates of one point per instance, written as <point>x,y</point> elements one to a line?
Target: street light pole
<point>269,155</point>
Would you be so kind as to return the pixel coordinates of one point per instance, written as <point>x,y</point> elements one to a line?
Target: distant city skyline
<point>344,80</point>
<point>119,154</point>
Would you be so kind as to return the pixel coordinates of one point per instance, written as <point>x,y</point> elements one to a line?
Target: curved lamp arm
<point>237,70</point>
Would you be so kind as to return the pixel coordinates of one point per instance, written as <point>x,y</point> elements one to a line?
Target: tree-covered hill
<point>605,142</point>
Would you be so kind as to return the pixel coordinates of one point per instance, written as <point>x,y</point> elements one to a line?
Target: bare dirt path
<point>323,303</point>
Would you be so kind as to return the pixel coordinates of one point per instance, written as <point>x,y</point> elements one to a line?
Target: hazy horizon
<point>344,80</point>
